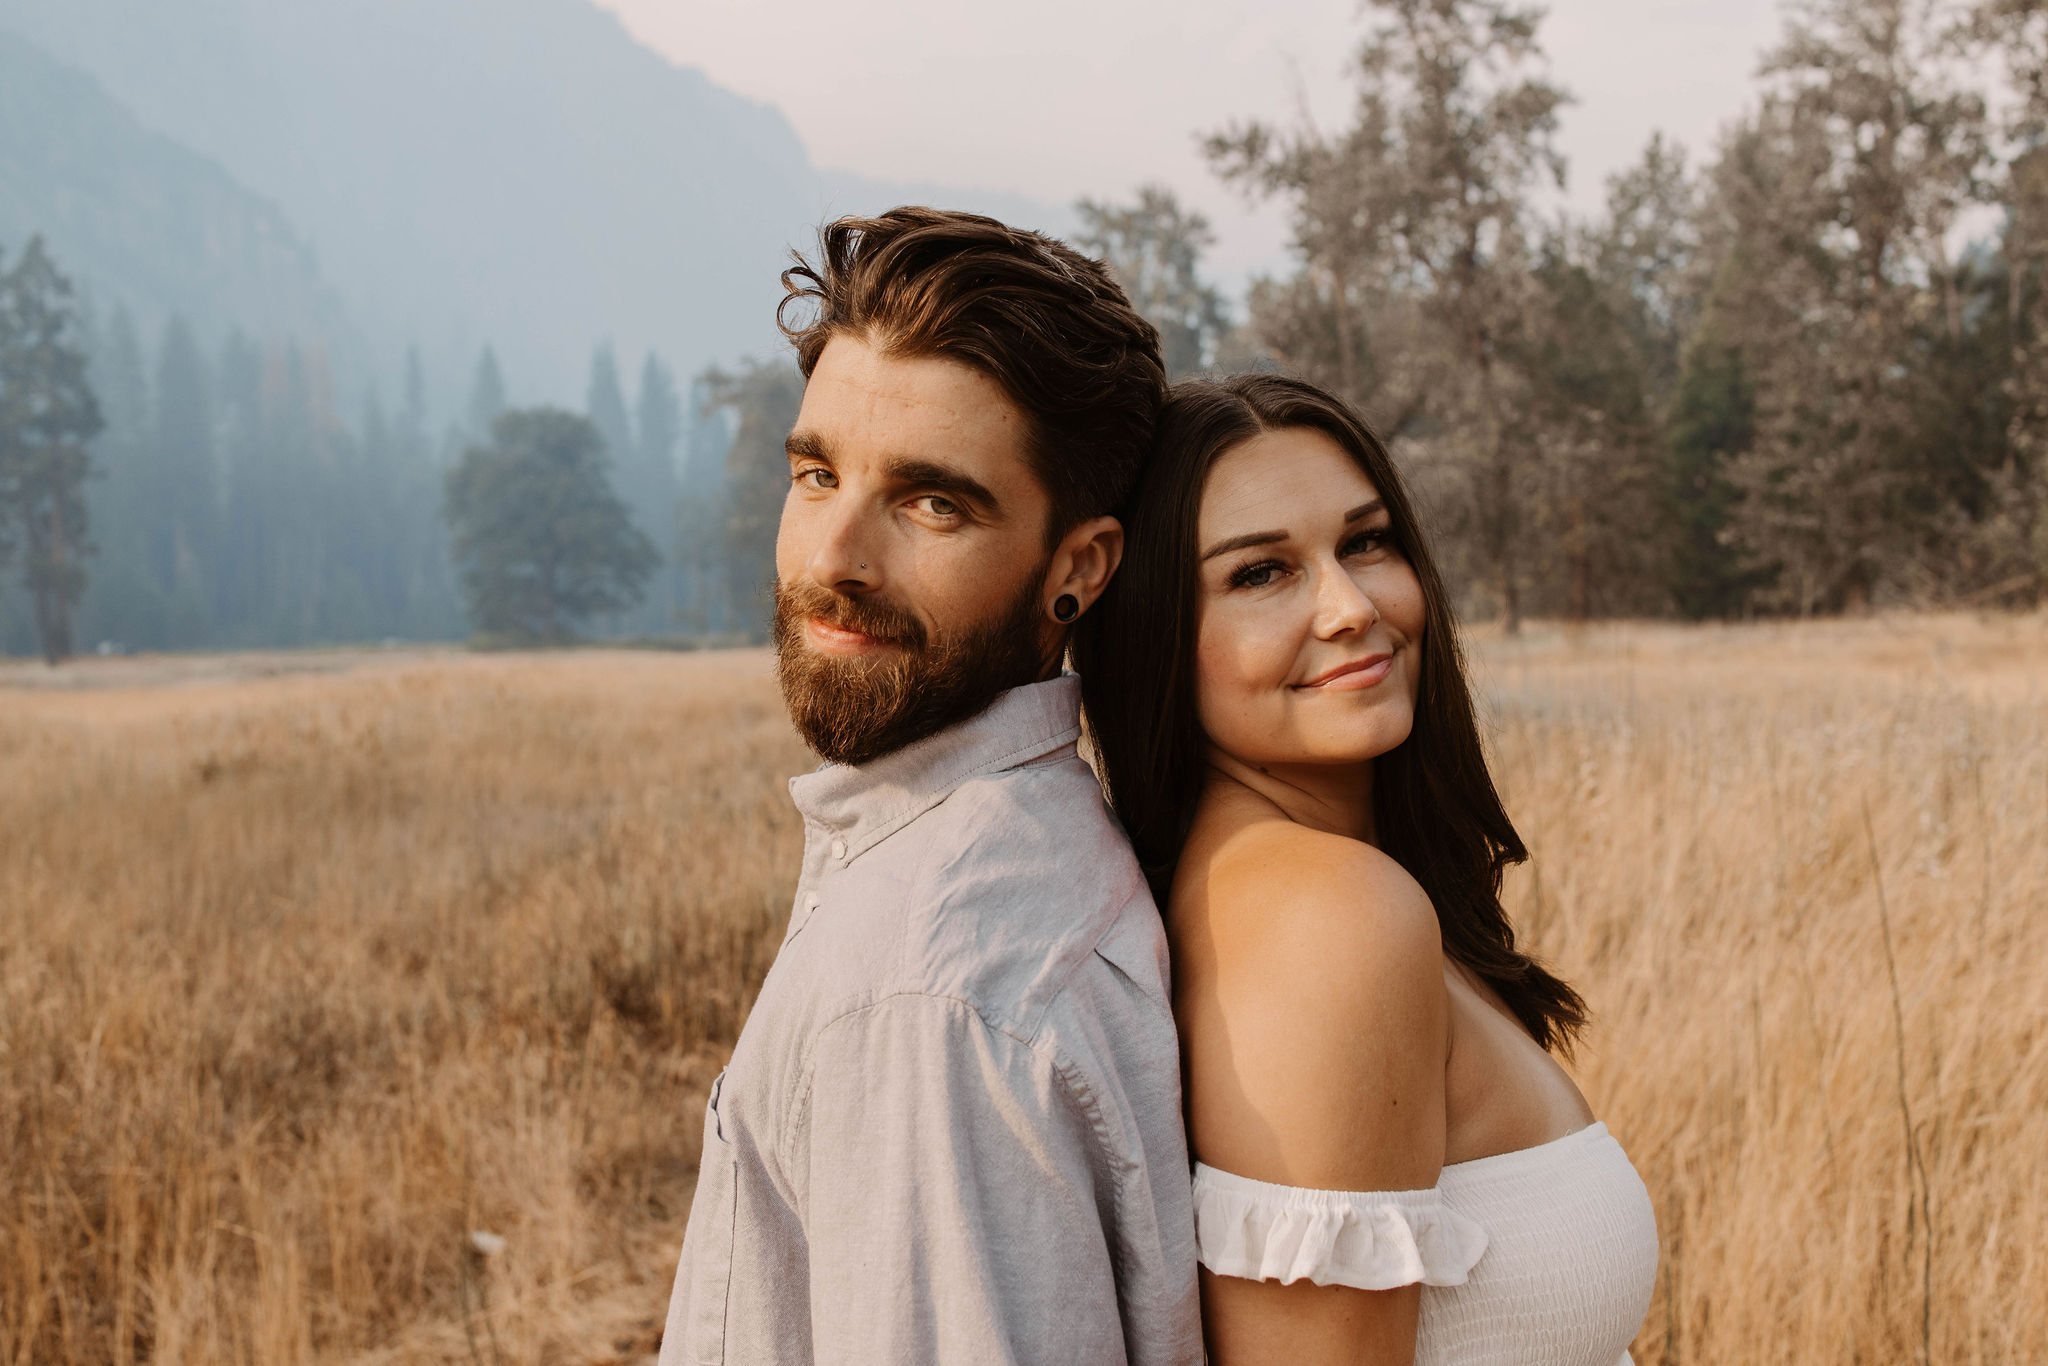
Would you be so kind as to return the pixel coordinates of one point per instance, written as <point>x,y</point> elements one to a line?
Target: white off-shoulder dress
<point>1542,1257</point>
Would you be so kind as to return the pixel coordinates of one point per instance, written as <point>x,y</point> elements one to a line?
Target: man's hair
<point>1037,317</point>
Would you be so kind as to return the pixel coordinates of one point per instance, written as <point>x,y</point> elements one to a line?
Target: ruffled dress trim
<point>1368,1240</point>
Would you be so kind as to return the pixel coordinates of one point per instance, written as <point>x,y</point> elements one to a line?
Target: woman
<point>1391,1167</point>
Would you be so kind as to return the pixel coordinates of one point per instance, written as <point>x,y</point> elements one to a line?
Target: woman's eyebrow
<point>1250,538</point>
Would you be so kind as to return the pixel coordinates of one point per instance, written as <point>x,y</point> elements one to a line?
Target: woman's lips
<point>1349,677</point>
<point>838,640</point>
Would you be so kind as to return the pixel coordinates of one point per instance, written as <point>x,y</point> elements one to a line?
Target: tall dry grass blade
<point>1916,1162</point>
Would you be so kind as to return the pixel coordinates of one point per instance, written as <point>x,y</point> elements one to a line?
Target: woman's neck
<point>1334,798</point>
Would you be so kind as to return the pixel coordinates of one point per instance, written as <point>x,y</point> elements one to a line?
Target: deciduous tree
<point>1420,214</point>
<point>1154,248</point>
<point>540,539</point>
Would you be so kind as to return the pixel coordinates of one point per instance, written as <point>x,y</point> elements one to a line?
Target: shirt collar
<point>865,803</point>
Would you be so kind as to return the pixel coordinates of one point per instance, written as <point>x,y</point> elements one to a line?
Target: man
<point>951,1129</point>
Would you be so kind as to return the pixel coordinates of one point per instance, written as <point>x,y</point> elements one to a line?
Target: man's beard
<point>853,709</point>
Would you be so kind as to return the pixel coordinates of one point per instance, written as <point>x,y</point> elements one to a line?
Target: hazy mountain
<point>139,219</point>
<point>521,172</point>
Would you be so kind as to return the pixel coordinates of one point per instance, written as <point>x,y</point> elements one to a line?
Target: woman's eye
<point>817,477</point>
<point>1255,575</point>
<point>1365,542</point>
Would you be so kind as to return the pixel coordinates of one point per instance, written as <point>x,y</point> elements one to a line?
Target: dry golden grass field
<point>312,965</point>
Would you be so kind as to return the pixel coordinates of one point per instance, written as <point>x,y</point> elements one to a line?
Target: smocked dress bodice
<point>1541,1257</point>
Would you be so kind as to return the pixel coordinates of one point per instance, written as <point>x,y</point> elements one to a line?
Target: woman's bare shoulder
<point>1274,885</point>
<point>1323,1009</point>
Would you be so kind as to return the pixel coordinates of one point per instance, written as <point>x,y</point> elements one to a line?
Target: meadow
<point>358,1008</point>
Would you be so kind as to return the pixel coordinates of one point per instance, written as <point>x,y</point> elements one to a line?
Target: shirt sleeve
<point>954,1210</point>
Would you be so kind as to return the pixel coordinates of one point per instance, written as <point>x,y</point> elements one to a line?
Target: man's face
<point>912,553</point>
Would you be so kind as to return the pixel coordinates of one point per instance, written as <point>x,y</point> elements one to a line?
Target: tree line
<point>1808,375</point>
<point>173,496</point>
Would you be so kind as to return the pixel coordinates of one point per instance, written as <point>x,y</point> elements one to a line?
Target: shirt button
<point>839,850</point>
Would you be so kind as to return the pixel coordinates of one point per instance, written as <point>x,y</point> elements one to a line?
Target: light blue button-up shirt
<point>951,1129</point>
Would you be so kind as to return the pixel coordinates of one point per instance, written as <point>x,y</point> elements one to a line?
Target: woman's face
<point>1310,645</point>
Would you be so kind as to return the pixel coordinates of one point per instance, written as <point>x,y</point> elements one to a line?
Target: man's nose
<point>842,559</point>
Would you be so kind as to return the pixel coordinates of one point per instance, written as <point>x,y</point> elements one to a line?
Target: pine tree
<point>700,509</point>
<point>242,589</point>
<point>1712,422</point>
<point>119,604</point>
<point>763,399</point>
<point>1828,224</point>
<point>184,534</point>
<point>604,404</point>
<point>486,396</point>
<point>658,429</point>
<point>432,606</point>
<point>48,417</point>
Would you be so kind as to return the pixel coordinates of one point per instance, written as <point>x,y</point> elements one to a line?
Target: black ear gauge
<point>1066,607</point>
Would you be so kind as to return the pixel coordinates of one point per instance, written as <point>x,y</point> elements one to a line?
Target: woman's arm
<point>1314,1020</point>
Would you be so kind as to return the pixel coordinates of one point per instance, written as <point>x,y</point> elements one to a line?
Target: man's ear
<point>1084,561</point>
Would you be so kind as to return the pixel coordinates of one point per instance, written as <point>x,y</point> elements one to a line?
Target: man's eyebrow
<point>930,474</point>
<point>802,445</point>
<point>1252,538</point>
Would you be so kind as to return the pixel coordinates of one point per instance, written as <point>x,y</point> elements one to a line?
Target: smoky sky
<point>1091,99</point>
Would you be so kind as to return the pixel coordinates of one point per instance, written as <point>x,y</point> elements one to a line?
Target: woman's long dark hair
<point>1435,810</point>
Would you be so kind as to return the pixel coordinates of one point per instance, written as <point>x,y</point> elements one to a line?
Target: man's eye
<point>817,477</point>
<point>933,504</point>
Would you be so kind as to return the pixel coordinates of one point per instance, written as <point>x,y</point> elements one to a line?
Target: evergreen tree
<point>243,583</point>
<point>763,399</point>
<point>379,531</point>
<point>48,417</point>
<point>1712,421</point>
<point>120,603</point>
<point>432,606</point>
<point>700,510</point>
<point>185,525</point>
<point>541,539</point>
<point>486,396</point>
<point>604,404</point>
<point>1829,224</point>
<point>659,428</point>
<point>1585,445</point>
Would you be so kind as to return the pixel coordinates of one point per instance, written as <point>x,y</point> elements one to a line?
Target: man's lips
<point>840,640</point>
<point>1353,674</point>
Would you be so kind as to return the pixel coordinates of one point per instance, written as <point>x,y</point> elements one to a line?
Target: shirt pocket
<point>713,1213</point>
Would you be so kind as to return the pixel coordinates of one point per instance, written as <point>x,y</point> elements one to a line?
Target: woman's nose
<point>1342,604</point>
